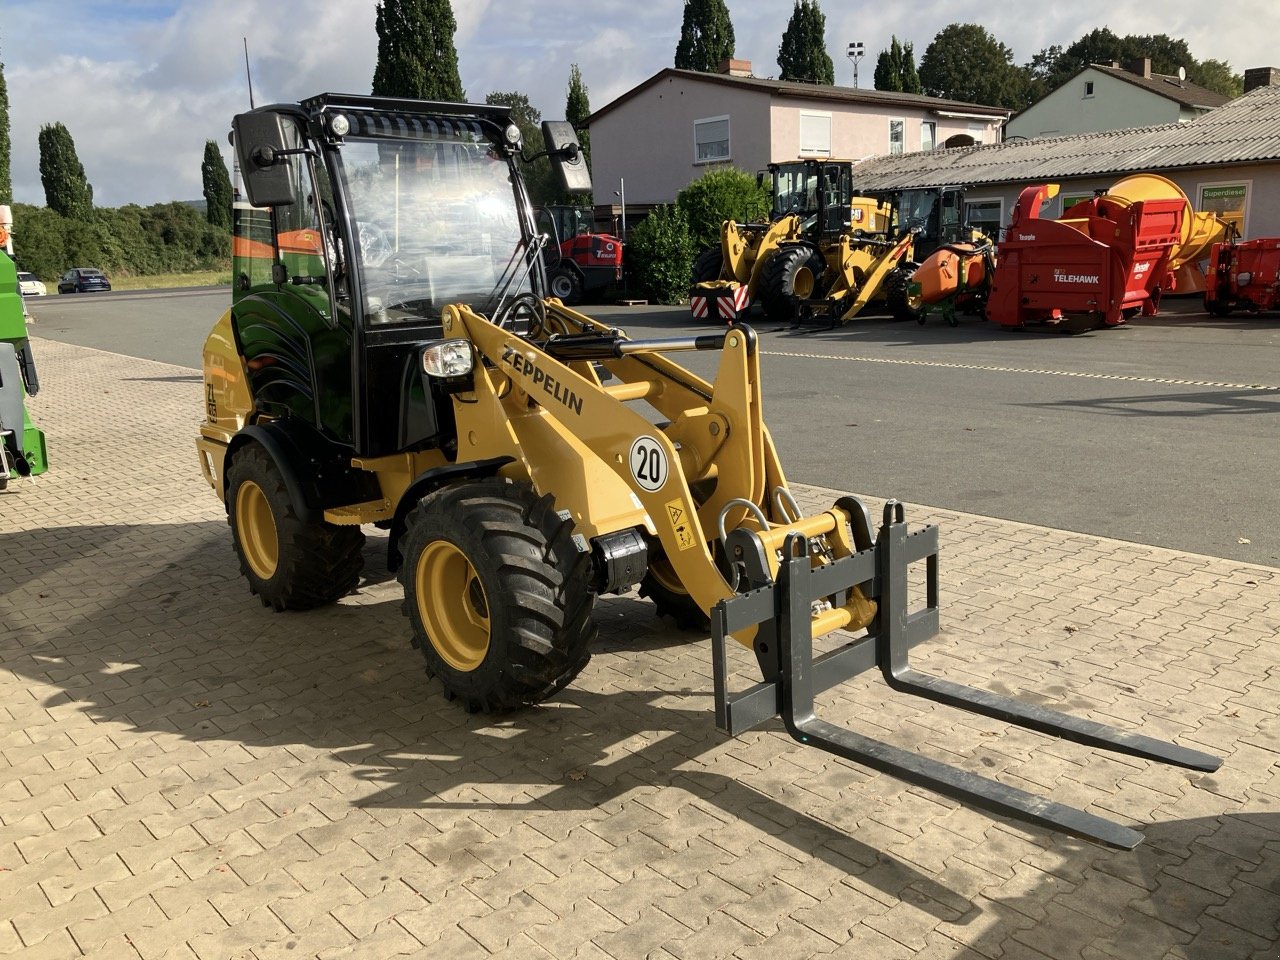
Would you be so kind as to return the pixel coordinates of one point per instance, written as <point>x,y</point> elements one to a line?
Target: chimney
<point>734,68</point>
<point>1141,67</point>
<point>1261,77</point>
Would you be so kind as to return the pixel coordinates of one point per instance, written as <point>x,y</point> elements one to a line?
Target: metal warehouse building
<point>1226,161</point>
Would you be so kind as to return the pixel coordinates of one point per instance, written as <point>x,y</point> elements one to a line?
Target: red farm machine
<point>580,261</point>
<point>1107,259</point>
<point>1243,276</point>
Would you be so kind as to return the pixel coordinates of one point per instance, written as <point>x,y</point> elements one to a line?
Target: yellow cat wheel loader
<point>824,253</point>
<point>391,358</point>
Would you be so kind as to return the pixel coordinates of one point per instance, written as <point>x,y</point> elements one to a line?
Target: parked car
<point>83,280</point>
<point>30,286</point>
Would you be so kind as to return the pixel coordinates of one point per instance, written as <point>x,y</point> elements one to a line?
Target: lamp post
<point>855,53</point>
<point>621,194</point>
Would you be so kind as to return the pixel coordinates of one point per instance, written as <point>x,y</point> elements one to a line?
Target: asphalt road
<point>1158,432</point>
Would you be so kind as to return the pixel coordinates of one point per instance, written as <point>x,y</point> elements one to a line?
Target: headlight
<point>339,125</point>
<point>1244,278</point>
<point>512,134</point>
<point>448,359</point>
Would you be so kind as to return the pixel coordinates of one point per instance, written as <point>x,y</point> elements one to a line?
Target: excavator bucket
<point>782,609</point>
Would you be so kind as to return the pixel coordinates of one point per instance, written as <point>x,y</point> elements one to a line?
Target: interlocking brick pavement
<point>185,774</point>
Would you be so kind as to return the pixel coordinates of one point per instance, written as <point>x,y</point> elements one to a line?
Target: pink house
<point>664,133</point>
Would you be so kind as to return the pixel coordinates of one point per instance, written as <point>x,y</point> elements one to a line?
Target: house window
<point>815,134</point>
<point>711,140</point>
<point>928,135</point>
<point>895,136</point>
<point>985,214</point>
<point>1088,88</point>
<point>978,131</point>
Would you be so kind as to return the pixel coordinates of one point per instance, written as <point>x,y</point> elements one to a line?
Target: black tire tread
<point>319,561</point>
<point>547,603</point>
<point>708,265</point>
<point>897,287</point>
<point>777,291</point>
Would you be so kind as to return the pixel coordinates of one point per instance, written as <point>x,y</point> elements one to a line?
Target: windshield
<point>435,223</point>
<point>794,190</point>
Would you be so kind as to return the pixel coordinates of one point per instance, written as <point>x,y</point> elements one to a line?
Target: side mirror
<point>566,156</point>
<point>260,139</point>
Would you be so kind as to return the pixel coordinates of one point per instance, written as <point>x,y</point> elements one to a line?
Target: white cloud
<point>141,84</point>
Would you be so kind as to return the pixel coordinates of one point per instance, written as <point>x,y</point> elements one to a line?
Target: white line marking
<point>1033,370</point>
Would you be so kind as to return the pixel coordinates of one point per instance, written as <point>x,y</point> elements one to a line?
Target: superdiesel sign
<point>522,365</point>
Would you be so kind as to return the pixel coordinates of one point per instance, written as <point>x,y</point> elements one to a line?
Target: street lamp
<point>855,53</point>
<point>621,194</point>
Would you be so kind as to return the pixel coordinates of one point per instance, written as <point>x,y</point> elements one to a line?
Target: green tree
<point>538,176</point>
<point>706,36</point>
<point>717,196</point>
<point>6,180</point>
<point>416,55</point>
<point>577,107</point>
<point>1218,76</point>
<point>896,68</point>
<point>217,187</point>
<point>965,62</point>
<point>66,190</point>
<point>889,67</point>
<point>660,255</point>
<point>803,53</point>
<point>910,76</point>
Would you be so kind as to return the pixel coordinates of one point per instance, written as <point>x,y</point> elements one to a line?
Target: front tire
<point>897,293</point>
<point>498,594</point>
<point>792,275</point>
<point>291,563</point>
<point>567,286</point>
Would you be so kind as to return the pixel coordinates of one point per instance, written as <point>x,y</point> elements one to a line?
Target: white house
<point>1113,97</point>
<point>663,134</point>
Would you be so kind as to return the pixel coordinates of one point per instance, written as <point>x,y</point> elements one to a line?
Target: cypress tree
<point>910,77</point>
<point>66,190</point>
<point>416,55</point>
<point>706,36</point>
<point>577,107</point>
<point>217,187</point>
<point>803,53</point>
<point>6,180</point>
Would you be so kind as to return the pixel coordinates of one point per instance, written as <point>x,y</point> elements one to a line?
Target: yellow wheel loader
<point>824,253</point>
<point>391,358</point>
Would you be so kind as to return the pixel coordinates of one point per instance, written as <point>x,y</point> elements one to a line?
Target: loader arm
<point>715,440</point>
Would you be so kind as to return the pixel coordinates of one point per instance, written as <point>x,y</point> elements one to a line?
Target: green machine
<point>22,450</point>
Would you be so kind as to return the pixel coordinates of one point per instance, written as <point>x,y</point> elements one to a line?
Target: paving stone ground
<point>185,774</point>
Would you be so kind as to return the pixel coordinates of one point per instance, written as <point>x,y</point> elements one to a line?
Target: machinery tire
<point>1217,307</point>
<point>708,265</point>
<point>566,285</point>
<point>670,598</point>
<point>489,540</point>
<point>791,275</point>
<point>897,293</point>
<point>291,563</point>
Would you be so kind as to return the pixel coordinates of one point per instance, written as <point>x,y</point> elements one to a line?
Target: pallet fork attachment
<point>783,610</point>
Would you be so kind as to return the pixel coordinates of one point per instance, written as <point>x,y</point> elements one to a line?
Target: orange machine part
<point>949,270</point>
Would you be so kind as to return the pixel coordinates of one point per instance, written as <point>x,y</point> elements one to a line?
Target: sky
<point>142,84</point>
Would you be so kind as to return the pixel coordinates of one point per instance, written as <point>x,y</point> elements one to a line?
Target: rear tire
<point>897,292</point>
<point>792,274</point>
<point>567,286</point>
<point>708,265</point>
<point>670,597</point>
<point>291,563</point>
<point>498,594</point>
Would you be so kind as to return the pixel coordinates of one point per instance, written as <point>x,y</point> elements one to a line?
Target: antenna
<point>248,75</point>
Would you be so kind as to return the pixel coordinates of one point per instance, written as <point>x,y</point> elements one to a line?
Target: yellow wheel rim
<point>804,283</point>
<point>452,605</point>
<point>661,570</point>
<point>259,541</point>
